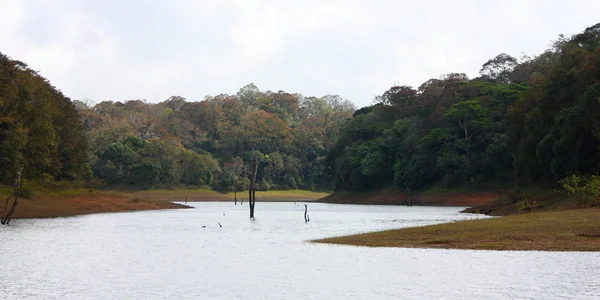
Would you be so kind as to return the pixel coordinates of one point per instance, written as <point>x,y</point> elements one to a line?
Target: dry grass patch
<point>210,195</point>
<point>181,195</point>
<point>283,195</point>
<point>569,230</point>
<point>48,203</point>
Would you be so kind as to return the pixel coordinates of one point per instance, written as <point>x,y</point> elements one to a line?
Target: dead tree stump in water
<point>252,190</point>
<point>5,220</point>
<point>306,219</point>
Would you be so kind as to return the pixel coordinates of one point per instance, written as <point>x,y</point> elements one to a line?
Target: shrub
<point>26,188</point>
<point>525,206</point>
<point>584,190</point>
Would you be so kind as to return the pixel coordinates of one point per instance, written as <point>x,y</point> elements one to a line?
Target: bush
<point>584,190</point>
<point>26,189</point>
<point>290,181</point>
<point>525,206</point>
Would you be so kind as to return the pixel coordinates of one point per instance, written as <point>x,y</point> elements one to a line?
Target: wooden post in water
<point>252,190</point>
<point>306,213</point>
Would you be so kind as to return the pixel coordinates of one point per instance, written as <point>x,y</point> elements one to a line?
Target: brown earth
<point>48,206</point>
<point>429,198</point>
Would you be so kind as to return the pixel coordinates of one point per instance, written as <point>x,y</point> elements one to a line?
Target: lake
<point>185,254</point>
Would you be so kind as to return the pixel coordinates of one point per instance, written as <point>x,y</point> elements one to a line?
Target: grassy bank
<point>288,195</point>
<point>209,195</point>
<point>431,197</point>
<point>565,230</point>
<point>65,201</point>
<point>48,203</point>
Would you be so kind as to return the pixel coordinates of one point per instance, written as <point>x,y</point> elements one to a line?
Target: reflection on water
<point>169,255</point>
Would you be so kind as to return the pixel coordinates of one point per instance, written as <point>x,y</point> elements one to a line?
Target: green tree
<point>584,190</point>
<point>471,117</point>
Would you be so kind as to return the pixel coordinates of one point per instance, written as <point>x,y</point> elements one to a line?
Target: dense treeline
<point>174,143</point>
<point>40,129</point>
<point>210,142</point>
<point>528,120</point>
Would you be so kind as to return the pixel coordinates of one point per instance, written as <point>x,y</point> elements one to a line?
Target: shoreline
<point>199,195</point>
<point>50,203</point>
<point>562,230</point>
<point>83,203</point>
<point>425,198</point>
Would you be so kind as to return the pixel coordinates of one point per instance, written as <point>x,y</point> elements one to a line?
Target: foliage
<point>583,190</point>
<point>26,188</point>
<point>532,121</point>
<point>209,143</point>
<point>526,206</point>
<point>40,129</point>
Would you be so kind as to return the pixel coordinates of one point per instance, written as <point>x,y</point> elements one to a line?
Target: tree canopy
<point>209,143</point>
<point>528,121</point>
<point>40,129</point>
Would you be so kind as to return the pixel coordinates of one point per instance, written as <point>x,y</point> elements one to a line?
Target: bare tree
<point>252,190</point>
<point>5,220</point>
<point>306,219</point>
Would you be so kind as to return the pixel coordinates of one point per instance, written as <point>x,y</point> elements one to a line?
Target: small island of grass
<point>567,230</point>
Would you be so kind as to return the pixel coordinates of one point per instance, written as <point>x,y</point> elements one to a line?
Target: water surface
<point>185,254</point>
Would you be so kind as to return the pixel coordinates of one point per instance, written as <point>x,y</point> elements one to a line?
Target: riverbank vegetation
<point>172,144</point>
<point>526,128</point>
<point>68,200</point>
<point>523,123</point>
<point>209,143</point>
<point>563,230</point>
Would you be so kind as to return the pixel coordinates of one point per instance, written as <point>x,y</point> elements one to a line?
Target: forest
<point>172,144</point>
<point>523,121</point>
<point>526,120</point>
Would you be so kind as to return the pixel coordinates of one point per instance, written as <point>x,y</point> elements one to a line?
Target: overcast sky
<point>120,49</point>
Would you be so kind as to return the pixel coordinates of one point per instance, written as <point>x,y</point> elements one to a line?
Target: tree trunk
<point>252,191</point>
<point>6,219</point>
<point>305,213</point>
<point>251,203</point>
<point>235,197</point>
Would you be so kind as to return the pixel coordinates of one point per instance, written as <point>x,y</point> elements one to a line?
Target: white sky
<point>125,49</point>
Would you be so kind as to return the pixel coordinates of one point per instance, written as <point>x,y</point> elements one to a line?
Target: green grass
<point>210,195</point>
<point>193,194</point>
<point>282,195</point>
<point>566,230</point>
